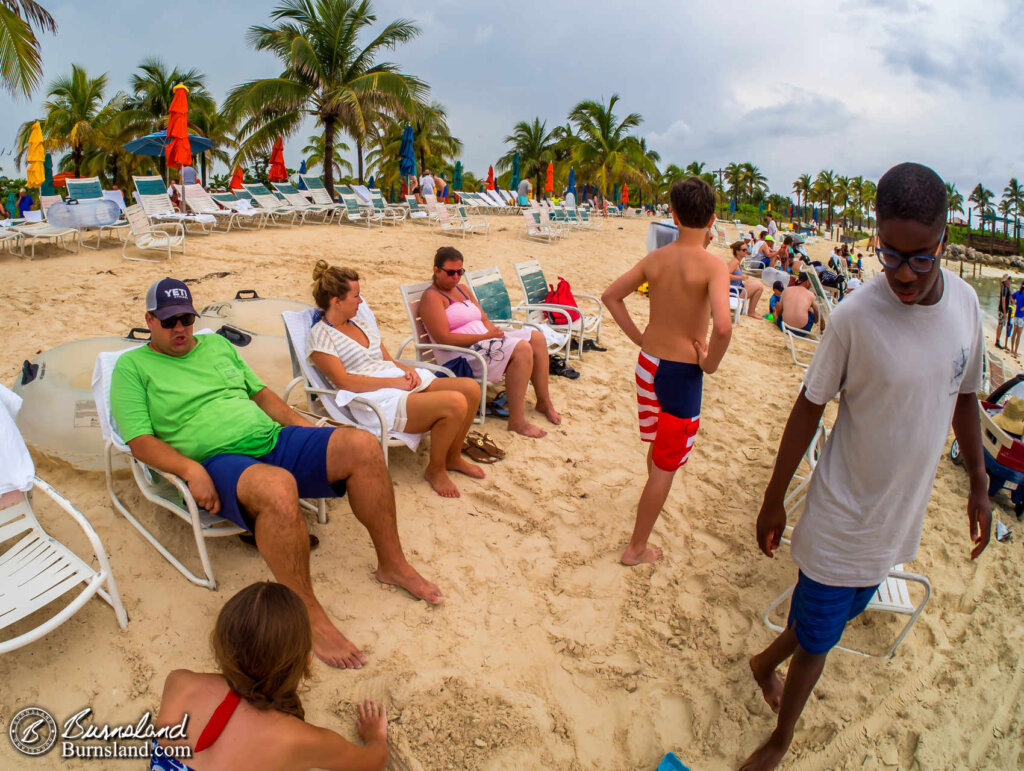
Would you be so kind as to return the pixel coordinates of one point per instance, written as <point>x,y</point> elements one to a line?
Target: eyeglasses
<point>919,263</point>
<point>454,273</point>
<point>185,319</point>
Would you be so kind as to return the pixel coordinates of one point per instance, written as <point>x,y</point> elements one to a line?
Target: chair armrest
<point>178,227</point>
<point>80,520</point>
<point>426,365</point>
<point>385,430</point>
<point>547,307</point>
<point>591,298</point>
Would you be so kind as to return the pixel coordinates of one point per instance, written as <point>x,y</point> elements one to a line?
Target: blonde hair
<point>331,282</point>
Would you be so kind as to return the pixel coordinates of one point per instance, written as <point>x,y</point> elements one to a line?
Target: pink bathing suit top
<point>463,317</point>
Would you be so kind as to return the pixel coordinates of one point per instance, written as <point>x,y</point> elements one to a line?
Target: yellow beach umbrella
<point>36,157</point>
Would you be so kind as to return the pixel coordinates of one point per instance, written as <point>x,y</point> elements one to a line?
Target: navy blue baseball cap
<point>169,297</point>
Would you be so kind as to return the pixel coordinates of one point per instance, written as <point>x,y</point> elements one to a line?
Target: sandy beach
<point>547,653</point>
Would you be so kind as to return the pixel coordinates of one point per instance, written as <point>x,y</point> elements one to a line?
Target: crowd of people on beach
<point>189,405</point>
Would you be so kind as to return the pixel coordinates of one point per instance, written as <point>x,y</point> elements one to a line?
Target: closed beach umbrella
<point>58,179</point>
<point>302,170</point>
<point>615,193</point>
<point>490,178</point>
<point>732,206</point>
<point>516,172</point>
<point>457,176</point>
<point>179,149</point>
<point>370,183</point>
<point>47,188</point>
<point>571,187</point>
<point>236,179</point>
<point>277,172</point>
<point>36,157</point>
<point>625,194</point>
<point>549,183</point>
<point>406,154</point>
<point>11,204</point>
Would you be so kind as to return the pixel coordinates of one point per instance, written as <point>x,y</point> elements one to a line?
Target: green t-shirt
<point>198,403</point>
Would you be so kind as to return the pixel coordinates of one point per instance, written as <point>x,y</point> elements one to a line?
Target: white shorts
<point>1018,321</point>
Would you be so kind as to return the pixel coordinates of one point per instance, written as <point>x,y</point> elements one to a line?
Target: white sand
<point>547,653</point>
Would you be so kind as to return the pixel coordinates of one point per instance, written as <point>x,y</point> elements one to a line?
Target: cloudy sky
<point>791,86</point>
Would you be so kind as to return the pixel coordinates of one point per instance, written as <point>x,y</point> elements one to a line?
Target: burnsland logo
<point>33,731</point>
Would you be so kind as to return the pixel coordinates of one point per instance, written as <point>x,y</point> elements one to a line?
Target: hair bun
<point>320,269</point>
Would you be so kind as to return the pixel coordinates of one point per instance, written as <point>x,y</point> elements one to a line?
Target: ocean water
<point>988,296</point>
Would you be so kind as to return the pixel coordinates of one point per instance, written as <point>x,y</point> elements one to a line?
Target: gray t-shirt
<point>524,187</point>
<point>898,370</point>
<point>188,175</point>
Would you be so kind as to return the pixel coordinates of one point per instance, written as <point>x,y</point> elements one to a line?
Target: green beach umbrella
<point>615,194</point>
<point>457,176</point>
<point>47,187</point>
<point>11,205</point>
<point>514,183</point>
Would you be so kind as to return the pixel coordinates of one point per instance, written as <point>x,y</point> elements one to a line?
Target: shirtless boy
<point>688,286</point>
<point>797,308</point>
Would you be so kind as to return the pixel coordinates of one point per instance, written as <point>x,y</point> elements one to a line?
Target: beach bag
<point>459,367</point>
<point>561,295</point>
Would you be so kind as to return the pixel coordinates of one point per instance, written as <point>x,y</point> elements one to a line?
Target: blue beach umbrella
<point>154,144</point>
<point>572,181</point>
<point>302,170</point>
<point>732,206</point>
<point>516,172</point>
<point>406,154</point>
<point>370,183</point>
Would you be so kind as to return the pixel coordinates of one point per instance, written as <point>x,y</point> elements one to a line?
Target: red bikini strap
<point>220,718</point>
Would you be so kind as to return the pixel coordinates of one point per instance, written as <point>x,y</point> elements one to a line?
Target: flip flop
<point>477,454</point>
<point>499,406</point>
<point>558,367</point>
<point>250,540</point>
<point>486,443</point>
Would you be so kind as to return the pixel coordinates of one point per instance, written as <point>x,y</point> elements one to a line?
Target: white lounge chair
<point>89,189</point>
<point>166,490</point>
<point>255,216</point>
<point>394,214</point>
<point>477,225</point>
<point>359,215</point>
<point>152,236</point>
<point>35,568</point>
<point>152,195</point>
<point>317,189</point>
<point>277,212</point>
<point>295,199</point>
<point>535,290</point>
<point>534,230</point>
<point>321,394</point>
<point>200,202</point>
<point>419,214</point>
<point>33,233</point>
<point>425,349</point>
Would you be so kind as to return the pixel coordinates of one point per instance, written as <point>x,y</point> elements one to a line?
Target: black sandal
<point>591,345</point>
<point>557,366</point>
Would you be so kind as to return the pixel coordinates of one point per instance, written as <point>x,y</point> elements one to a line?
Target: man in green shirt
<point>190,406</point>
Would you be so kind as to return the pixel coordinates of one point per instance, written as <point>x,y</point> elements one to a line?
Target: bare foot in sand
<point>638,557</point>
<point>768,755</point>
<point>442,483</point>
<point>549,412</point>
<point>769,682</point>
<point>332,647</point>
<point>463,466</point>
<point>407,578</point>
<point>527,429</point>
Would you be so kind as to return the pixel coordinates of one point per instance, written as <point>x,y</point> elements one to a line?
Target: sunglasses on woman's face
<point>455,272</point>
<point>186,320</point>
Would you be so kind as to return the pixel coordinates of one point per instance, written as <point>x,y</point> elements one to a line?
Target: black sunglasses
<point>455,272</point>
<point>185,319</point>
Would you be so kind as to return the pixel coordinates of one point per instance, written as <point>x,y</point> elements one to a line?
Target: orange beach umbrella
<point>277,172</point>
<point>236,179</point>
<point>490,178</point>
<point>179,151</point>
<point>625,193</point>
<point>549,184</point>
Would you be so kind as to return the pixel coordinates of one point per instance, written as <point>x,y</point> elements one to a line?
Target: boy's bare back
<point>681,278</point>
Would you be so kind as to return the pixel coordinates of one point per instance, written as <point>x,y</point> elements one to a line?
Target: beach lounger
<point>295,199</point>
<point>246,213</point>
<point>496,200</point>
<point>488,289</point>
<point>36,569</point>
<point>89,189</point>
<point>418,213</point>
<point>359,410</point>
<point>480,226</point>
<point>199,201</point>
<point>534,230</point>
<point>394,214</point>
<point>318,190</point>
<point>278,213</point>
<point>535,290</point>
<point>802,345</point>
<point>33,233</point>
<point>148,236</point>
<point>994,374</point>
<point>165,490</point>
<point>424,348</point>
<point>357,215</point>
<point>10,239</point>
<point>445,224</point>
<point>152,195</point>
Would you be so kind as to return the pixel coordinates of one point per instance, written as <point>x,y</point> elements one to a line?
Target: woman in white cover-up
<point>345,345</point>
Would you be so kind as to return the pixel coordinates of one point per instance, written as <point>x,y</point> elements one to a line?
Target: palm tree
<point>842,196</point>
<point>954,201</point>
<point>535,145</point>
<point>868,189</point>
<point>313,152</point>
<point>21,64</point>
<point>216,126</point>
<point>72,112</point>
<point>604,149</point>
<point>825,188</point>
<point>734,180</point>
<point>982,200</point>
<point>328,75</point>
<point>1013,195</point>
<point>802,188</point>
<point>754,182</point>
<point>432,139</point>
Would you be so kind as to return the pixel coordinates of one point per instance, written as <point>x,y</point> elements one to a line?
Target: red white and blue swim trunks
<point>668,404</point>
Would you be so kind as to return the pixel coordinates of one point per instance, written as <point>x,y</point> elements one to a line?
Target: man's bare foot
<point>549,412</point>
<point>442,483</point>
<point>637,557</point>
<point>407,578</point>
<point>463,466</point>
<point>768,755</point>
<point>333,648</point>
<point>769,682</point>
<point>527,429</point>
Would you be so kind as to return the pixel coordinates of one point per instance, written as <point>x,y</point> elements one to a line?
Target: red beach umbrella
<point>490,178</point>
<point>236,179</point>
<point>549,184</point>
<point>625,194</point>
<point>178,150</point>
<point>58,179</point>
<point>278,172</point>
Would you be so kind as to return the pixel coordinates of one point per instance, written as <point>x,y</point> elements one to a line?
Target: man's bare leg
<point>355,456</point>
<point>763,666</point>
<point>517,378</point>
<point>652,499</point>
<point>541,376</point>
<point>804,671</point>
<point>270,496</point>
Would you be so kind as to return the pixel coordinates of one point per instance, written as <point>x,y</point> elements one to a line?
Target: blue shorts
<point>818,613</point>
<point>299,450</point>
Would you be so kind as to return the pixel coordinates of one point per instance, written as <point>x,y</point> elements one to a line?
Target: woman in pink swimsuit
<point>452,317</point>
<point>248,715</point>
